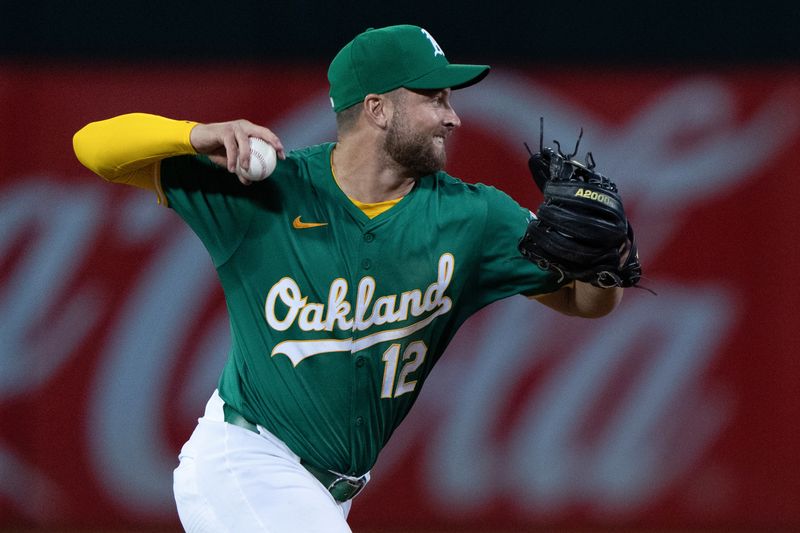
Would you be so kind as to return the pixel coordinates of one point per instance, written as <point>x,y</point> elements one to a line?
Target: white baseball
<point>262,160</point>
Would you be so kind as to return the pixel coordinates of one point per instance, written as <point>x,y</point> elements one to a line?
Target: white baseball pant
<point>232,480</point>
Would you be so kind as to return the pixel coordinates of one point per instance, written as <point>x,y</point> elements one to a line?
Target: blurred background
<point>678,412</point>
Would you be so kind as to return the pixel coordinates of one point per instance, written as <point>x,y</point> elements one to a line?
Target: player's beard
<point>413,150</point>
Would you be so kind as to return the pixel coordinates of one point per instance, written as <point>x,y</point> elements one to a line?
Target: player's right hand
<point>225,142</point>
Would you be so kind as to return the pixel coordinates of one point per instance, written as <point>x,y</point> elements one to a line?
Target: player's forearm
<point>583,300</point>
<point>589,301</point>
<point>121,149</point>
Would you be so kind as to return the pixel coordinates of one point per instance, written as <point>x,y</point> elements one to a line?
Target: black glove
<point>580,230</point>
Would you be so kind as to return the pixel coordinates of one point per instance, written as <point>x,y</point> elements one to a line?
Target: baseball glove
<point>580,230</point>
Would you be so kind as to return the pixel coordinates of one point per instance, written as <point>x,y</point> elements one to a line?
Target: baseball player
<point>346,273</point>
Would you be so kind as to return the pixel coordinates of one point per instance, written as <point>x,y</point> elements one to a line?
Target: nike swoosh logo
<point>298,224</point>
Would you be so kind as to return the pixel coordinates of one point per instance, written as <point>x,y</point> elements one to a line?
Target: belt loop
<point>232,416</point>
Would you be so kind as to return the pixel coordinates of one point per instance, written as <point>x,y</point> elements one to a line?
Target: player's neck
<point>366,177</point>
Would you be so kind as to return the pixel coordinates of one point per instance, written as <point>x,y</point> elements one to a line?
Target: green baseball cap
<point>380,60</point>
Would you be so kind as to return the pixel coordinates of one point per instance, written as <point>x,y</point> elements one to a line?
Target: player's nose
<point>451,118</point>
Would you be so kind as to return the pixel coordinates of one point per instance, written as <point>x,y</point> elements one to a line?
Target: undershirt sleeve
<point>127,149</point>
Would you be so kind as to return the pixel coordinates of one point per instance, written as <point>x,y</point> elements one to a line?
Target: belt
<point>341,487</point>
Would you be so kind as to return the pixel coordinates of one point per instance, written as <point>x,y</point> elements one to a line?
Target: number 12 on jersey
<point>413,356</point>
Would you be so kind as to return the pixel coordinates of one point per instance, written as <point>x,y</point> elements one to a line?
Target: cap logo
<point>437,50</point>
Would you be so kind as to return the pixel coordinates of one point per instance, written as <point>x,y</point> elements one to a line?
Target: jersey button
<point>360,362</point>
<point>366,264</point>
<point>359,421</point>
<point>369,237</point>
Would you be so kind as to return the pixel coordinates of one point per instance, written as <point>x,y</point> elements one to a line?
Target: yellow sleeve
<point>127,149</point>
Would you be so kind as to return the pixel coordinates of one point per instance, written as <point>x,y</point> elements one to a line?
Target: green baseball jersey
<point>336,318</point>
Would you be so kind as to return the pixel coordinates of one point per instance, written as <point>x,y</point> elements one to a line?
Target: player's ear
<point>378,109</point>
